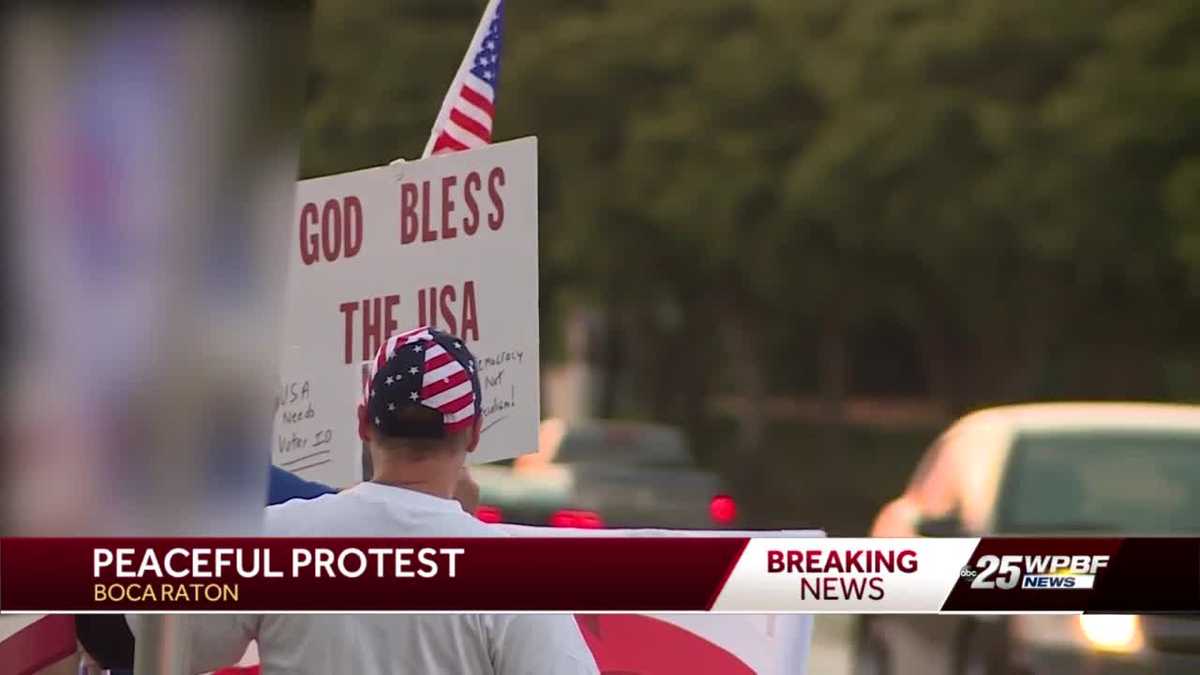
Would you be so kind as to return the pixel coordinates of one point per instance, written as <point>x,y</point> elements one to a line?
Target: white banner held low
<point>449,241</point>
<point>760,643</point>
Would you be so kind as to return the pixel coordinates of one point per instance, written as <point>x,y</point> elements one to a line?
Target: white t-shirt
<point>369,644</point>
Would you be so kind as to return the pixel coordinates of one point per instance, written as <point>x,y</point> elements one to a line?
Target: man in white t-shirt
<point>420,416</point>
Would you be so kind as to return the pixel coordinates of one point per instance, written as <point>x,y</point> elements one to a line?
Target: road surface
<point>831,647</point>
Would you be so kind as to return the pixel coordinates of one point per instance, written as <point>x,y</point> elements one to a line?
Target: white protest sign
<point>449,241</point>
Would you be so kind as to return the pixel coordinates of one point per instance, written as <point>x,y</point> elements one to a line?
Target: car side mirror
<point>944,526</point>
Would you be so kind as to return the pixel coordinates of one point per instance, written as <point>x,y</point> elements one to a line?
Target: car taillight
<point>573,518</point>
<point>722,509</point>
<point>489,514</point>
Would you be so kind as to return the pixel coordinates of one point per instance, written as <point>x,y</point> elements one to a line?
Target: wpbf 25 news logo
<point>1034,572</point>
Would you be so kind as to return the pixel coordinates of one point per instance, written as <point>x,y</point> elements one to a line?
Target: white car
<point>1037,470</point>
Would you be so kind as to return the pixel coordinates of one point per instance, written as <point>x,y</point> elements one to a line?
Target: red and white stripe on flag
<point>465,119</point>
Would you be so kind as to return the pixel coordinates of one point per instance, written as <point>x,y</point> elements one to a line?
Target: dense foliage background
<point>961,202</point>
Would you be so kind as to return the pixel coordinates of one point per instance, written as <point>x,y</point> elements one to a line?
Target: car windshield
<point>647,446</point>
<point>1136,482</point>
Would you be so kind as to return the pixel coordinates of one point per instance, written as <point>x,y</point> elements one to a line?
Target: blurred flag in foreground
<point>154,159</point>
<point>465,120</point>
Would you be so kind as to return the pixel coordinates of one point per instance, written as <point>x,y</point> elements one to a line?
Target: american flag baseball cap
<point>422,384</point>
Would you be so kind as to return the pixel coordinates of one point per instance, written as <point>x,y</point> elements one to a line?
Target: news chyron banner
<point>450,241</point>
<point>601,574</point>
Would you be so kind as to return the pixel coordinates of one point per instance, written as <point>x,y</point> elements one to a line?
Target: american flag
<point>465,120</point>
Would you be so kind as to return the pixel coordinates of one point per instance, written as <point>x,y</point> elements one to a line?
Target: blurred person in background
<point>420,417</point>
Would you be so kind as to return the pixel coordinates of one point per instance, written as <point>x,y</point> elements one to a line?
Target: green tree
<point>745,188</point>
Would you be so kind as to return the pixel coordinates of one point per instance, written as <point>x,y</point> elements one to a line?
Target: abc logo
<point>968,573</point>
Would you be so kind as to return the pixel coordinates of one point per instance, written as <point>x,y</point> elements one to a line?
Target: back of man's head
<point>422,397</point>
<point>420,448</point>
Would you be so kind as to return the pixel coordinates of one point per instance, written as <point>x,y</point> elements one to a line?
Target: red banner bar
<point>271,574</point>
